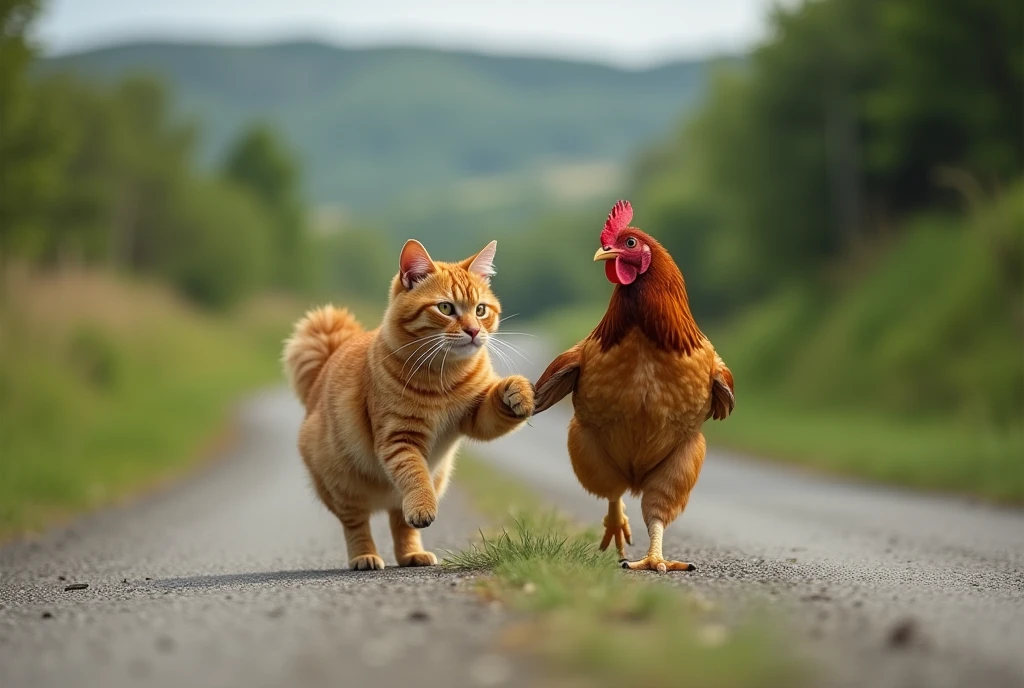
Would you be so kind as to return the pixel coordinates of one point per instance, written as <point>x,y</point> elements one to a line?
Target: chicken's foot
<point>654,561</point>
<point>616,526</point>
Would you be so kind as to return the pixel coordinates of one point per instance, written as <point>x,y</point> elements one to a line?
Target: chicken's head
<point>626,249</point>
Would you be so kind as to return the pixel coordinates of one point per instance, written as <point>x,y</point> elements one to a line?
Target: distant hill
<point>393,126</point>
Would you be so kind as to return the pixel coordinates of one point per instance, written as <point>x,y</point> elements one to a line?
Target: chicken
<point>642,384</point>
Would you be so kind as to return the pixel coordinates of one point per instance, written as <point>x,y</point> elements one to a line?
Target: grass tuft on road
<point>535,539</point>
<point>590,620</point>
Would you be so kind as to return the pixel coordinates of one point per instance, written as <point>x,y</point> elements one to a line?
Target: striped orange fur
<point>386,409</point>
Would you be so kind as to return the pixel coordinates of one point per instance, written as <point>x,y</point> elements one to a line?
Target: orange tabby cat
<point>386,409</point>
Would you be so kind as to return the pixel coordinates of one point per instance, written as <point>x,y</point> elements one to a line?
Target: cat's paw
<point>418,559</point>
<point>419,509</point>
<point>367,562</point>
<point>518,396</point>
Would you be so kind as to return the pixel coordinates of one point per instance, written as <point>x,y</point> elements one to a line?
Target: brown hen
<point>642,384</point>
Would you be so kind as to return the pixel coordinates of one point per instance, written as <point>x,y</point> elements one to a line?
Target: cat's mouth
<point>468,347</point>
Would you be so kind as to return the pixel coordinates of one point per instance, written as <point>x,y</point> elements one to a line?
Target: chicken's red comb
<point>618,220</point>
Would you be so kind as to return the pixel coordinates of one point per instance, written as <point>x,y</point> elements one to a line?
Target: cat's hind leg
<point>408,544</point>
<point>362,552</point>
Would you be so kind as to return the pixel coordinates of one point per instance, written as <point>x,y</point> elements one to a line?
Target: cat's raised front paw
<point>419,509</point>
<point>518,396</point>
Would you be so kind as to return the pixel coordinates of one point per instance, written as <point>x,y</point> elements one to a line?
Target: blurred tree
<point>30,149</point>
<point>357,262</point>
<point>831,132</point>
<point>950,94</point>
<point>221,248</point>
<point>547,266</point>
<point>259,162</point>
<point>104,174</point>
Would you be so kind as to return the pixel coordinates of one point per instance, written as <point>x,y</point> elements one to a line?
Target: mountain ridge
<point>375,124</point>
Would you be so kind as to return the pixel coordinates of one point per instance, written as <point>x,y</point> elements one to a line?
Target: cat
<point>387,408</point>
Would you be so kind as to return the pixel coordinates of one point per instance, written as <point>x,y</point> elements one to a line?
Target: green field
<point>108,386</point>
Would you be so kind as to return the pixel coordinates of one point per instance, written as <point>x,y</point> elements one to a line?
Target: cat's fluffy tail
<point>318,335</point>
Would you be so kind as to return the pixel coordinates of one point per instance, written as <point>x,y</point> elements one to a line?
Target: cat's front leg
<point>508,403</point>
<point>405,465</point>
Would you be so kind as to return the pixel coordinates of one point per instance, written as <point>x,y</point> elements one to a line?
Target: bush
<point>221,247</point>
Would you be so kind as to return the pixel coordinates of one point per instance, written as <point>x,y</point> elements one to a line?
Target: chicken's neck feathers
<point>657,304</point>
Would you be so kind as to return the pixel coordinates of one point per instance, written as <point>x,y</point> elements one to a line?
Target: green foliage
<point>929,328</point>
<point>104,175</point>
<point>547,265</point>
<point>950,93</point>
<point>376,126</point>
<point>834,127</point>
<point>910,371</point>
<point>25,141</point>
<point>222,244</point>
<point>259,163</point>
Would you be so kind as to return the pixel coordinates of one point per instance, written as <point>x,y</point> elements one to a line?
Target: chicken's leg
<point>654,561</point>
<point>616,526</point>
<point>666,490</point>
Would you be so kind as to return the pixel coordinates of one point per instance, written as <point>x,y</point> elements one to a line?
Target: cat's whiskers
<point>449,344</point>
<point>433,340</point>
<point>422,341</point>
<point>504,357</point>
<point>512,347</point>
<point>421,361</point>
<point>443,359</point>
<point>522,334</point>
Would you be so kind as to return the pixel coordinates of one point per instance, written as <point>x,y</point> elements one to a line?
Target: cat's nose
<point>471,331</point>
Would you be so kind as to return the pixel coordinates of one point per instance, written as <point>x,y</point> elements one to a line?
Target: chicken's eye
<point>446,308</point>
<point>631,242</point>
<point>481,310</point>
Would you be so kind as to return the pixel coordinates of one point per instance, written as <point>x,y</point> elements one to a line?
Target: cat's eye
<point>481,310</point>
<point>631,242</point>
<point>446,308</point>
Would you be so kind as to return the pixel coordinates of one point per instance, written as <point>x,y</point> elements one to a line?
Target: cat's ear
<point>482,264</point>
<point>414,264</point>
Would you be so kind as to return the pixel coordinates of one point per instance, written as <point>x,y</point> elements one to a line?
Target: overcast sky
<point>628,33</point>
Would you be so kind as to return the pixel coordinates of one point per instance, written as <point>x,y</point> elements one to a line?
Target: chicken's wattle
<point>619,271</point>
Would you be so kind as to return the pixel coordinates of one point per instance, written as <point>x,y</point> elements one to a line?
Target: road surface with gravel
<point>236,578</point>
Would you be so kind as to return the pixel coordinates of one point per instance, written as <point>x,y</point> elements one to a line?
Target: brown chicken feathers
<point>642,385</point>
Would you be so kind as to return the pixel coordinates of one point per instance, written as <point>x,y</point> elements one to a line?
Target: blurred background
<point>839,180</point>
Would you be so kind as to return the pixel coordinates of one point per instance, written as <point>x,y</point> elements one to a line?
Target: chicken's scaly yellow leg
<point>654,561</point>
<point>616,526</point>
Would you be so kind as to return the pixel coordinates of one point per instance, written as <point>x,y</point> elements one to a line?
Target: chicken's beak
<point>606,253</point>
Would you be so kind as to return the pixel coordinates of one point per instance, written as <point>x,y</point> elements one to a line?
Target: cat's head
<point>447,307</point>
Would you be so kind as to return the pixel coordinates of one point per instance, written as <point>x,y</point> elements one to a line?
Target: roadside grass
<point>590,620</point>
<point>110,385</point>
<point>933,455</point>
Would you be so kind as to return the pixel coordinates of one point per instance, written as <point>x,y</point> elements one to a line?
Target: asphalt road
<point>237,578</point>
<point>880,587</point>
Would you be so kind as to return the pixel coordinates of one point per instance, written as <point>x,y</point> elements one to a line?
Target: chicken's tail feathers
<point>723,391</point>
<point>320,333</point>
